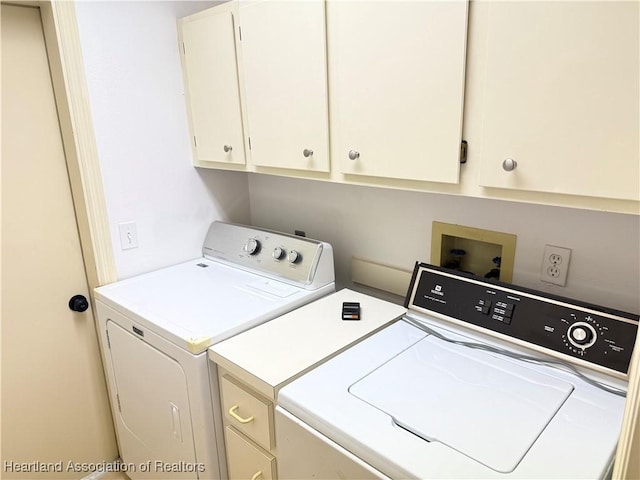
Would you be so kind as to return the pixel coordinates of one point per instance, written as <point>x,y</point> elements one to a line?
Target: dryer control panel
<point>594,334</point>
<point>299,260</point>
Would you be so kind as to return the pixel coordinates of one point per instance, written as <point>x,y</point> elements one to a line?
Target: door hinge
<point>463,151</point>
<point>184,51</point>
<point>249,143</point>
<point>119,406</point>
<point>240,32</point>
<point>108,340</point>
<point>195,144</point>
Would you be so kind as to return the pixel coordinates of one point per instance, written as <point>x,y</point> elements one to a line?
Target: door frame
<point>62,40</point>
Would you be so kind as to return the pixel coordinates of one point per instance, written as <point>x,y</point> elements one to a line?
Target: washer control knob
<point>252,247</point>
<point>582,334</point>
<point>294,256</point>
<point>278,253</point>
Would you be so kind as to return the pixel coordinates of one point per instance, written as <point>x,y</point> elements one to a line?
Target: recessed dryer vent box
<point>473,250</point>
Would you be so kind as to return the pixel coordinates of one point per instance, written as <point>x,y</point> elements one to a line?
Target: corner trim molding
<point>76,124</point>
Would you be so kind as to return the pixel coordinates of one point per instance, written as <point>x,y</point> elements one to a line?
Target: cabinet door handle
<point>227,148</point>
<point>354,155</point>
<point>509,165</point>
<point>307,152</point>
<point>232,412</point>
<point>257,475</point>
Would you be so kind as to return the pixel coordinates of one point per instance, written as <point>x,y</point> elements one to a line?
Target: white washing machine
<point>479,380</point>
<point>155,330</point>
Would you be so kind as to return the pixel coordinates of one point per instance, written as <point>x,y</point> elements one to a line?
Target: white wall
<point>394,227</point>
<point>132,64</point>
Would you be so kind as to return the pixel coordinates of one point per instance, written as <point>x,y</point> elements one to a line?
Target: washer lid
<point>489,408</point>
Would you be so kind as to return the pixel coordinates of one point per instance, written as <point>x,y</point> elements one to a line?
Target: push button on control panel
<point>483,306</point>
<point>503,312</point>
<point>507,307</point>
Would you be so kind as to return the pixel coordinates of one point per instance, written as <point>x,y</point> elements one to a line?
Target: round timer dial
<point>582,335</point>
<point>252,247</point>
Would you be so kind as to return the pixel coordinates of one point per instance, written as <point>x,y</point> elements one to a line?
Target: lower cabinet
<point>245,459</point>
<point>249,431</point>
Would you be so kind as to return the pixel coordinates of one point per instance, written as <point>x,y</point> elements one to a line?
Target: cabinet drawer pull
<point>354,155</point>
<point>232,412</point>
<point>307,152</point>
<point>257,475</point>
<point>227,148</point>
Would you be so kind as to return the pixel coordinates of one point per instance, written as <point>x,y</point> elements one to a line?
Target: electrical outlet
<point>128,235</point>
<point>555,265</point>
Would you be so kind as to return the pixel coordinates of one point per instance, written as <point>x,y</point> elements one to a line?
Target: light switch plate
<point>128,235</point>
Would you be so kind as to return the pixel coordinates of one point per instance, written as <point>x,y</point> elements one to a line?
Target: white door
<point>153,403</point>
<point>54,401</point>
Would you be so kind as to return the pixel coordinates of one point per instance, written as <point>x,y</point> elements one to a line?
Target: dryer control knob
<point>252,247</point>
<point>294,256</point>
<point>278,253</point>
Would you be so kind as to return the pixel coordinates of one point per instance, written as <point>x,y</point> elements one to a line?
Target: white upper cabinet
<point>397,87</point>
<point>562,98</point>
<point>284,70</point>
<point>208,51</point>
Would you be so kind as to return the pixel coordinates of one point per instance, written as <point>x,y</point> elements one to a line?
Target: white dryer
<point>155,330</point>
<point>479,380</point>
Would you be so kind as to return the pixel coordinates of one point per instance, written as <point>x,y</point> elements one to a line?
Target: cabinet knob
<point>509,165</point>
<point>307,152</point>
<point>227,148</point>
<point>354,155</point>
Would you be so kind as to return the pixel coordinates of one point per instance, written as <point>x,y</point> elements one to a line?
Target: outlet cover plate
<point>555,265</point>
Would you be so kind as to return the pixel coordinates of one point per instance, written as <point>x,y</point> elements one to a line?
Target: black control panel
<point>594,334</point>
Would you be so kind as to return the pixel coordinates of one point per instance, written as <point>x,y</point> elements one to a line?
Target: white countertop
<point>273,354</point>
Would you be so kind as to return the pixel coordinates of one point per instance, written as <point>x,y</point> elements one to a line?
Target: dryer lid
<point>487,407</point>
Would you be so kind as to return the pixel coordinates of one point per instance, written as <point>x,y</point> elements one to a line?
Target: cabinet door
<point>561,98</point>
<point>397,87</point>
<point>285,79</point>
<point>212,90</point>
